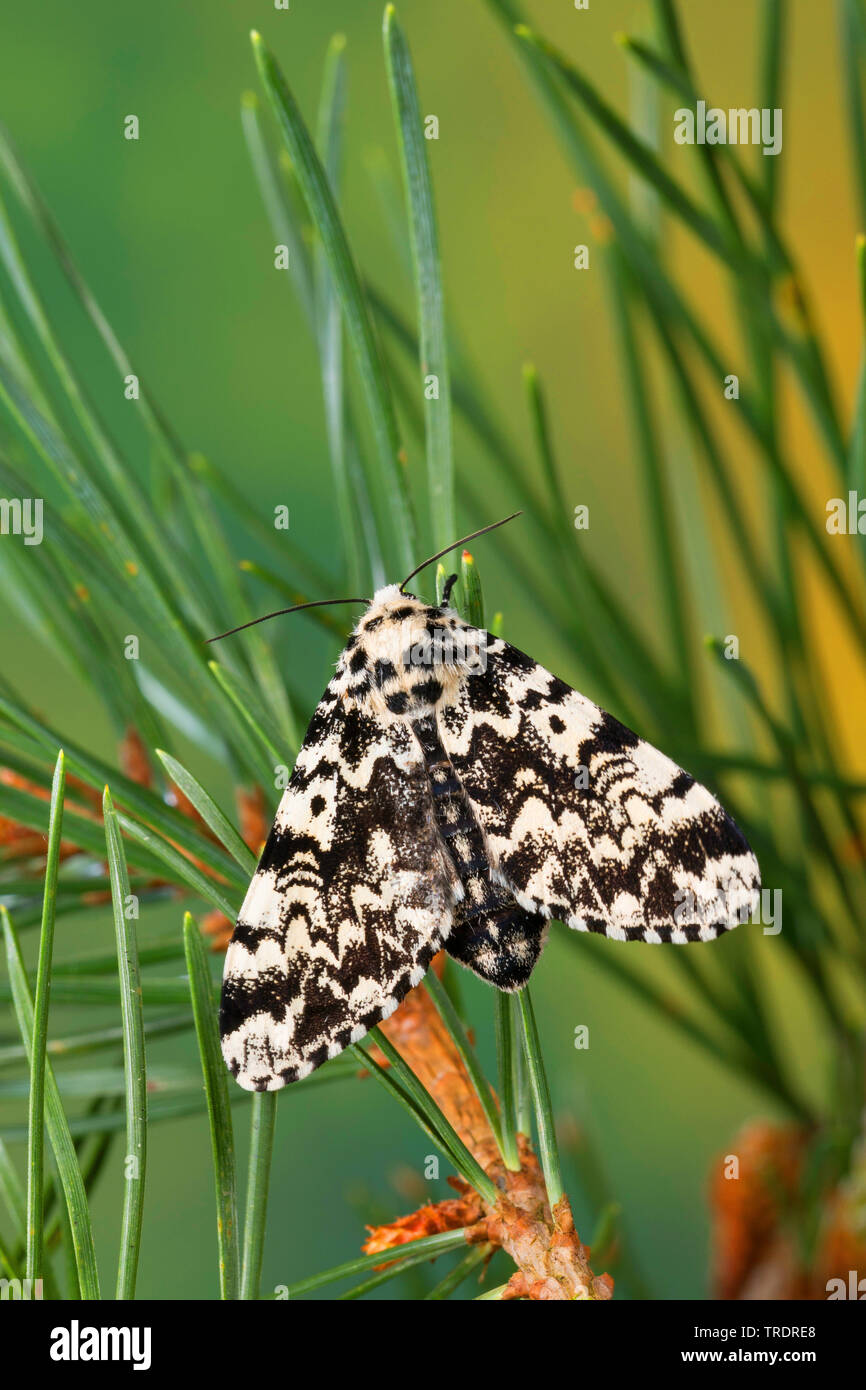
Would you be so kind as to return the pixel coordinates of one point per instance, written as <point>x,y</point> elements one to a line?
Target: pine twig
<point>552,1263</point>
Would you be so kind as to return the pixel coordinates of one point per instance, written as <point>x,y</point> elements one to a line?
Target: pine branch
<point>552,1263</point>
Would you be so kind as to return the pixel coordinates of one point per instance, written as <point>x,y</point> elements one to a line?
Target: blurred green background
<point>171,234</point>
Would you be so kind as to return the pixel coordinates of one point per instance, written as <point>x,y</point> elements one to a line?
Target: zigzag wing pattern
<point>351,899</point>
<point>641,852</point>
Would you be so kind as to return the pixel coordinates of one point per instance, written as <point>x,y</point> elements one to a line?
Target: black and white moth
<point>450,792</point>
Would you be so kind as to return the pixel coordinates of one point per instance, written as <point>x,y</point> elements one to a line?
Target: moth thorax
<point>407,657</point>
<point>412,638</point>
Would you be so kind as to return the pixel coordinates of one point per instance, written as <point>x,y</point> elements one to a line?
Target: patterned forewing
<point>587,822</point>
<point>351,899</point>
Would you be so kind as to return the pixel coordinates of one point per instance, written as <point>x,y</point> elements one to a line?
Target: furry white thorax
<point>406,657</point>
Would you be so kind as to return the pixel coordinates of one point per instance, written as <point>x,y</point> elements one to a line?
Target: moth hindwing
<point>452,792</point>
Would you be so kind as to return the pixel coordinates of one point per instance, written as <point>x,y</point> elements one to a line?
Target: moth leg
<point>446,592</point>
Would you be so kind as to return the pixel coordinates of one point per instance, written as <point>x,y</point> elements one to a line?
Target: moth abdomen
<point>492,935</point>
<point>501,944</point>
<point>445,784</point>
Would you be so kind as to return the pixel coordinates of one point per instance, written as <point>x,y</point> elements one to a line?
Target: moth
<point>452,793</point>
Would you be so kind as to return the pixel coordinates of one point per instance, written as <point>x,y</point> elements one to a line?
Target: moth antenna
<point>457,544</point>
<point>278,612</point>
